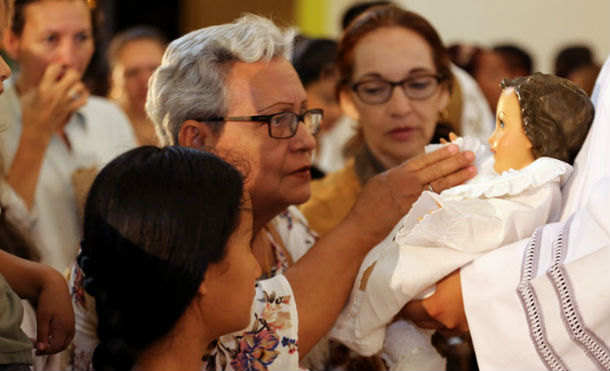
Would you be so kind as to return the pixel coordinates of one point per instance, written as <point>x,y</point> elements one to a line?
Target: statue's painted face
<point>512,149</point>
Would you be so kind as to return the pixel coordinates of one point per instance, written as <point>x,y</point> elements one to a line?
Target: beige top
<point>15,347</point>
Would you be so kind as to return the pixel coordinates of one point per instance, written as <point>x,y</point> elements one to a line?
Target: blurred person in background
<point>332,152</point>
<point>467,112</point>
<point>396,83</point>
<point>315,62</point>
<point>486,66</point>
<point>43,322</point>
<point>576,63</point>
<point>519,61</point>
<point>55,134</point>
<point>585,76</point>
<point>133,55</point>
<point>571,57</point>
<point>355,10</point>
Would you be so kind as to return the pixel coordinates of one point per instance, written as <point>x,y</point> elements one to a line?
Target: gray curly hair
<point>190,83</point>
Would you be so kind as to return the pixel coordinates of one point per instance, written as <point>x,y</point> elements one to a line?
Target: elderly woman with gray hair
<point>230,89</point>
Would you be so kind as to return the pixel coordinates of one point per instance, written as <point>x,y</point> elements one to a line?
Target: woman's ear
<point>196,134</point>
<point>347,105</point>
<point>10,44</point>
<point>211,274</point>
<point>203,288</point>
<point>445,96</point>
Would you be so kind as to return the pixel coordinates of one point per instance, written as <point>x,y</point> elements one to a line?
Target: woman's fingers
<point>453,179</point>
<point>429,159</point>
<point>448,172</point>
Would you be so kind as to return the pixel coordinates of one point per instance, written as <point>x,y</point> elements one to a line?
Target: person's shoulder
<point>273,331</point>
<point>331,199</point>
<point>106,119</point>
<point>9,101</point>
<point>336,188</point>
<point>340,180</point>
<point>295,232</point>
<point>103,107</point>
<point>294,214</point>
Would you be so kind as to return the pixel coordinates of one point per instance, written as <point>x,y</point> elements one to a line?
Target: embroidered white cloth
<point>441,233</point>
<point>543,303</point>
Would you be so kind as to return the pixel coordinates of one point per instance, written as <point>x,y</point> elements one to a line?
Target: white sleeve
<point>18,212</point>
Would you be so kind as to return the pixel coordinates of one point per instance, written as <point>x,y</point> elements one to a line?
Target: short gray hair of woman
<point>191,81</point>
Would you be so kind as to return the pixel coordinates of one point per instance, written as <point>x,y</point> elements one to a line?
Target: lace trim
<point>529,301</point>
<point>512,182</point>
<point>593,347</point>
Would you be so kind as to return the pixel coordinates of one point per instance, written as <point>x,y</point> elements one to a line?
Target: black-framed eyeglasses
<point>283,125</point>
<point>378,90</point>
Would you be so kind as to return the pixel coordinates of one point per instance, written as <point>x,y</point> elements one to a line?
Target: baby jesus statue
<point>541,123</point>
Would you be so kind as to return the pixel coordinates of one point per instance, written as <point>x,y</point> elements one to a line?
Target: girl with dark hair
<point>166,256</point>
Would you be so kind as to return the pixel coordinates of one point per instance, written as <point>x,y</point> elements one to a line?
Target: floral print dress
<point>270,342</point>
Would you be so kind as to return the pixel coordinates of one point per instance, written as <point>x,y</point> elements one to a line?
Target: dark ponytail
<point>154,220</point>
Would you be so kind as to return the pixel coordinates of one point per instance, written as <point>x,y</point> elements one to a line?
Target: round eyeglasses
<point>283,125</point>
<point>378,91</point>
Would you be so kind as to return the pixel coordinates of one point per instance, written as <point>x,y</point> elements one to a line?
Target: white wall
<point>540,26</point>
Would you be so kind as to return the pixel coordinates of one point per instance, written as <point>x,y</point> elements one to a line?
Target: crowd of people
<point>175,225</point>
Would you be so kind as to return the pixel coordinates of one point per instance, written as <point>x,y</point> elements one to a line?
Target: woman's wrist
<point>41,278</point>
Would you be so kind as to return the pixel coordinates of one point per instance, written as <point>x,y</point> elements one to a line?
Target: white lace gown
<point>441,233</point>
